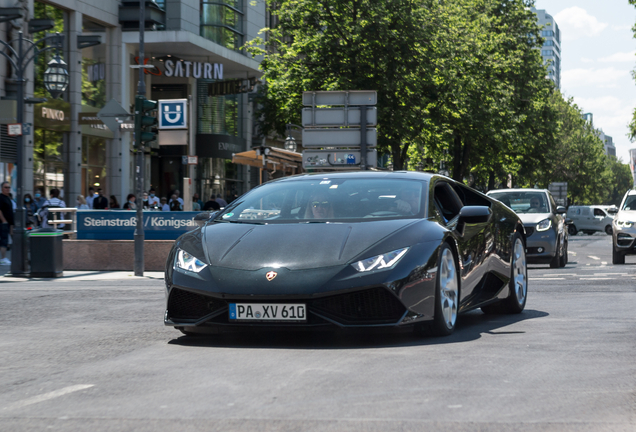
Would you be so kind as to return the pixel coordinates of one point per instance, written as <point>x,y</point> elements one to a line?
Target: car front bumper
<point>541,246</point>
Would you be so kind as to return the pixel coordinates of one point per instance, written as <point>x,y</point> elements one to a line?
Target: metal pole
<point>363,137</point>
<point>19,261</point>
<point>141,90</point>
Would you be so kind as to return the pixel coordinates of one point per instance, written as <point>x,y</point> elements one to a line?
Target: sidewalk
<point>86,275</point>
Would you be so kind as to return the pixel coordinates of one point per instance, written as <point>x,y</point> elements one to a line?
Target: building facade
<point>195,48</point>
<point>551,50</point>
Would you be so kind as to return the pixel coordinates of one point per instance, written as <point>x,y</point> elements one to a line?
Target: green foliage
<point>459,82</point>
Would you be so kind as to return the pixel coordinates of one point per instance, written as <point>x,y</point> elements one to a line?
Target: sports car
<point>348,249</point>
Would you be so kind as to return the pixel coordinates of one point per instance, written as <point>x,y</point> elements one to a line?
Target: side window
<point>470,197</point>
<point>599,212</point>
<point>552,202</point>
<point>447,201</point>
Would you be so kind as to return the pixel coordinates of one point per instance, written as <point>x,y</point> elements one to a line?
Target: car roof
<point>411,175</point>
<point>519,190</point>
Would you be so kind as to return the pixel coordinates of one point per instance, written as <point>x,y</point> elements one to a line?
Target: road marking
<point>572,253</point>
<point>48,396</point>
<point>546,278</point>
<point>610,274</point>
<point>593,257</point>
<point>597,278</point>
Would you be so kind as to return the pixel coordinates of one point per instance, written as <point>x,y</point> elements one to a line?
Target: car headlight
<point>545,224</point>
<point>189,262</point>
<point>380,262</point>
<point>624,224</point>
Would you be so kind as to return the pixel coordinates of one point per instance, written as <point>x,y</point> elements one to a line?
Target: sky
<point>598,54</point>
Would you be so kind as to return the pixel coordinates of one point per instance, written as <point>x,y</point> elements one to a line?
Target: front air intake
<point>371,306</point>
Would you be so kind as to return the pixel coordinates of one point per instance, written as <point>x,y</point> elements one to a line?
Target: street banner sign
<point>112,114</point>
<point>337,137</point>
<point>344,97</point>
<point>173,114</point>
<point>343,159</point>
<point>337,117</point>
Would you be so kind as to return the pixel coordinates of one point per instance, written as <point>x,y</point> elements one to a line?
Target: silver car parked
<point>624,229</point>
<point>544,222</point>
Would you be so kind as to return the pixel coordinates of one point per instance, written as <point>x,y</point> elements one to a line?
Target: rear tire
<point>617,257</point>
<point>608,230</point>
<point>518,284</point>
<point>572,230</point>
<point>446,293</point>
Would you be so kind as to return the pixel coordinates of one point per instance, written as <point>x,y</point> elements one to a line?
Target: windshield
<point>630,203</point>
<point>523,202</point>
<point>328,200</point>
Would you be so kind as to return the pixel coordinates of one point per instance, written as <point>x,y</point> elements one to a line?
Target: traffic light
<point>144,120</point>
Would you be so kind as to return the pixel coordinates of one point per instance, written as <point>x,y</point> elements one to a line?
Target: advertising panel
<point>120,224</point>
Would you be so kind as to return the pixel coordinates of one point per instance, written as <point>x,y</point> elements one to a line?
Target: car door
<point>471,238</point>
<point>586,219</point>
<point>598,220</point>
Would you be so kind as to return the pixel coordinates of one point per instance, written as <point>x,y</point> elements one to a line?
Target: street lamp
<point>290,142</point>
<point>57,78</point>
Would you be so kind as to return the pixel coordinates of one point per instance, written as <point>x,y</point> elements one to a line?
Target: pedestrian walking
<point>90,197</point>
<point>130,202</point>
<point>100,202</point>
<point>53,202</point>
<point>31,210</point>
<point>6,217</point>
<point>81,203</point>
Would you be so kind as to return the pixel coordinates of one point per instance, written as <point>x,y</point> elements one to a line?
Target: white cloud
<point>600,78</point>
<point>626,57</point>
<point>575,23</point>
<point>586,60</point>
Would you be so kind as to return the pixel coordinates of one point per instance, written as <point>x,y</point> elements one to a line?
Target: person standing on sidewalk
<point>6,217</point>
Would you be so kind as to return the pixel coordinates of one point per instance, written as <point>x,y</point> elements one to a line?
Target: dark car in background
<point>544,222</point>
<point>358,249</point>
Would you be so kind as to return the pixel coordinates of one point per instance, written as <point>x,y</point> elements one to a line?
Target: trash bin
<point>47,259</point>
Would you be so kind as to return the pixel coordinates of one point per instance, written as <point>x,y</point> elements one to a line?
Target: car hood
<point>532,218</point>
<point>293,246</point>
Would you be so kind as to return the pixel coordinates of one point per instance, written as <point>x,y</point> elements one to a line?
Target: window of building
<point>548,43</point>
<point>548,33</point>
<point>222,22</point>
<point>547,52</point>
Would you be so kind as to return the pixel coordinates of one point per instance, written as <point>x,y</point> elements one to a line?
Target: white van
<point>589,219</point>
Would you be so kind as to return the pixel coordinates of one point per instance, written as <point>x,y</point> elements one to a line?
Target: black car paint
<point>483,251</point>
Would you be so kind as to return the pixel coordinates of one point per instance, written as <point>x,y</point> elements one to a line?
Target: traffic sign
<point>334,137</point>
<point>14,129</point>
<point>337,159</point>
<point>340,97</point>
<point>337,116</point>
<point>173,114</point>
<point>111,113</point>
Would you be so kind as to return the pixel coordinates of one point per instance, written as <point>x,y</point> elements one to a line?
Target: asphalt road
<point>86,353</point>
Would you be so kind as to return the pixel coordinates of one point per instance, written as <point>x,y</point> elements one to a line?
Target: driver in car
<point>408,201</point>
<point>535,206</point>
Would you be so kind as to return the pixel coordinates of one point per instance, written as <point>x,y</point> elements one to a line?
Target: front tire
<point>617,257</point>
<point>518,285</point>
<point>564,257</point>
<point>558,254</point>
<point>572,230</point>
<point>446,293</point>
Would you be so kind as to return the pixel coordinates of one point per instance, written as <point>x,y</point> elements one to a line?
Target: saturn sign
<point>172,113</point>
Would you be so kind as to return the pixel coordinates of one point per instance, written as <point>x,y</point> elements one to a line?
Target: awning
<point>278,160</point>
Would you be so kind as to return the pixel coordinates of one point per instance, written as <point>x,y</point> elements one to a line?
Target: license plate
<point>268,312</point>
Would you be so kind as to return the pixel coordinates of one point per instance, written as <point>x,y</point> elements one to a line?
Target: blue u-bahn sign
<point>120,225</point>
<point>172,113</point>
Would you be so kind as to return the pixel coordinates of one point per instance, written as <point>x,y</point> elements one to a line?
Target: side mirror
<point>569,222</point>
<point>201,218</point>
<point>561,210</point>
<point>612,210</point>
<point>474,214</point>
